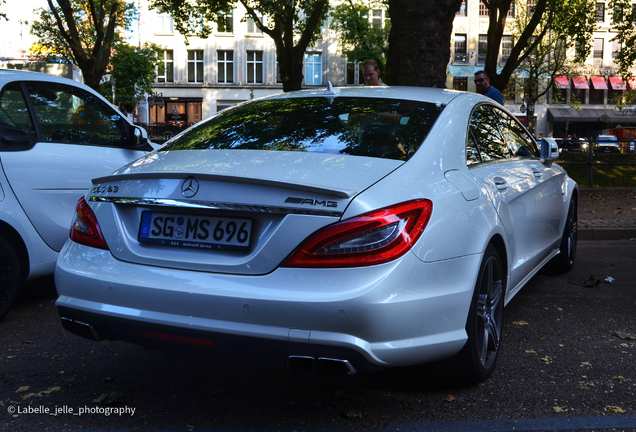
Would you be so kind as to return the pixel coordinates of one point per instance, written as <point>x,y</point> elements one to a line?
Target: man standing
<point>482,82</point>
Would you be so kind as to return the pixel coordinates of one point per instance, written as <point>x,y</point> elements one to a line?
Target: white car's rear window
<point>384,128</point>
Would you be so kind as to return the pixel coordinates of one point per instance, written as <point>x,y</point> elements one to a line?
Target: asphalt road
<point>568,363</point>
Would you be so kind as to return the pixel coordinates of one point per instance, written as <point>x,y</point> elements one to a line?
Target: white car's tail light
<point>372,238</point>
<point>85,229</point>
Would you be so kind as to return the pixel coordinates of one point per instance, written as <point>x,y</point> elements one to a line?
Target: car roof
<point>425,94</point>
<point>8,75</point>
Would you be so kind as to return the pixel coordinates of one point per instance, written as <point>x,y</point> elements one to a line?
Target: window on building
<point>165,69</point>
<point>531,5</point>
<point>225,67</point>
<point>225,24</point>
<point>511,11</point>
<point>460,49</point>
<point>462,9</point>
<point>251,25</point>
<point>255,67</point>
<point>195,66</point>
<point>598,52</point>
<point>313,68</point>
<point>376,20</point>
<point>482,47</point>
<point>506,47</point>
<point>600,12</point>
<point>483,10</point>
<point>279,76</point>
<point>165,24</point>
<point>353,73</point>
<point>460,83</point>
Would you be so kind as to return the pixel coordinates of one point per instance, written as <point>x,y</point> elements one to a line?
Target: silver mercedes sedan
<point>328,231</point>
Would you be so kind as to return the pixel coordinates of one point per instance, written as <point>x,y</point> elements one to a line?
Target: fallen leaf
<point>351,414</point>
<point>625,335</point>
<point>591,282</point>
<point>531,352</point>
<point>619,378</point>
<point>41,393</point>
<point>22,389</point>
<point>559,409</point>
<point>520,323</point>
<point>449,398</point>
<point>108,399</point>
<point>481,384</point>
<point>614,409</point>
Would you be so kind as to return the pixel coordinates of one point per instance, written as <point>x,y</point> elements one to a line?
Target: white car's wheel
<point>485,320</point>
<point>10,280</point>
<point>564,261</point>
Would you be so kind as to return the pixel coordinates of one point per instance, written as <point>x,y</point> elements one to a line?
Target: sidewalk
<point>616,215</point>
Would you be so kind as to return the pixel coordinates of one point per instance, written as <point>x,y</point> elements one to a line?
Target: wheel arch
<point>14,238</point>
<point>499,244</point>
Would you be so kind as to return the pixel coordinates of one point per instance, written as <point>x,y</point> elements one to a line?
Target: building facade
<point>235,63</point>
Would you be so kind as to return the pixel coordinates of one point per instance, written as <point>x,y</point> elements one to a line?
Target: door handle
<point>500,183</point>
<point>538,174</point>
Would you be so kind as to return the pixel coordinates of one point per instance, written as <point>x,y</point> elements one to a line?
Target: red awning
<point>631,82</point>
<point>562,82</point>
<point>599,83</point>
<point>617,83</point>
<point>580,82</point>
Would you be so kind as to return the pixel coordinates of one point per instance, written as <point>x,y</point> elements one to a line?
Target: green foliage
<point>358,38</point>
<point>53,46</point>
<point>542,34</point>
<point>623,20</point>
<point>134,70</point>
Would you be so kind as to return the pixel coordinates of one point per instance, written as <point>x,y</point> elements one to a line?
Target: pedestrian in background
<point>482,82</point>
<point>371,73</point>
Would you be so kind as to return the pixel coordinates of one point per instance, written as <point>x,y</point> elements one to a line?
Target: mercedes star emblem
<point>190,187</point>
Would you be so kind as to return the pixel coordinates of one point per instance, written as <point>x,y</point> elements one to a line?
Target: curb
<point>606,233</point>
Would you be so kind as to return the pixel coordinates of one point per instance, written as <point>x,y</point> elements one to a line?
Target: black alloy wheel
<point>485,320</point>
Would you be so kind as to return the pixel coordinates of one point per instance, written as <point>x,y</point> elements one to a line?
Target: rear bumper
<point>398,314</point>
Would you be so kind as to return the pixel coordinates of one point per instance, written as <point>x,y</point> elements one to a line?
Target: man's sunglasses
<point>477,81</point>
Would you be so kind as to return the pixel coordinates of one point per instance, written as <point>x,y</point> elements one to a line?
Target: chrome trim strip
<point>342,193</point>
<point>207,205</point>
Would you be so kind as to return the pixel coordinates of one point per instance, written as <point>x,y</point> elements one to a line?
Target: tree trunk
<point>419,41</point>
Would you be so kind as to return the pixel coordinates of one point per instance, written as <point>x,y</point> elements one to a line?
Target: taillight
<point>85,229</point>
<point>373,238</point>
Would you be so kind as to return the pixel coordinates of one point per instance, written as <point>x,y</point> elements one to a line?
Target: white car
<point>55,136</point>
<point>340,230</point>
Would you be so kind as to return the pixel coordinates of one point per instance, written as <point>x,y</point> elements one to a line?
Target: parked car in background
<point>55,135</point>
<point>607,144</point>
<point>328,230</point>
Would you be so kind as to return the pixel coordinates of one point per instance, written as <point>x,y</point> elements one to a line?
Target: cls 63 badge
<point>99,189</point>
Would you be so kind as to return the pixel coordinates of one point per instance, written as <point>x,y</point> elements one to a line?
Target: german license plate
<point>190,231</point>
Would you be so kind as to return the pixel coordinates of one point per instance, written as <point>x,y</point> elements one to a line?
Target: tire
<point>484,327</point>
<point>564,261</point>
<point>10,279</point>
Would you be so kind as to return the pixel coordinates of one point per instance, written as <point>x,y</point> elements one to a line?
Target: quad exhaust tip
<point>308,365</point>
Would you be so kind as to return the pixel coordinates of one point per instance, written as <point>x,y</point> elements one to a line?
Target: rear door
<point>509,180</point>
<point>76,136</point>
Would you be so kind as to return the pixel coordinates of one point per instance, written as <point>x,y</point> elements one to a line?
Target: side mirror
<point>549,149</point>
<point>140,136</point>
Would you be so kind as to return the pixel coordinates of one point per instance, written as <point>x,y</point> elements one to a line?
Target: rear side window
<point>13,109</point>
<point>68,114</point>
<point>383,128</point>
<point>495,134</point>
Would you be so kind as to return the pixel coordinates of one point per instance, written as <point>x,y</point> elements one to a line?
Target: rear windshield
<point>383,128</point>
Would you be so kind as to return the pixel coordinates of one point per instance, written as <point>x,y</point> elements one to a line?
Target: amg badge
<point>310,201</point>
